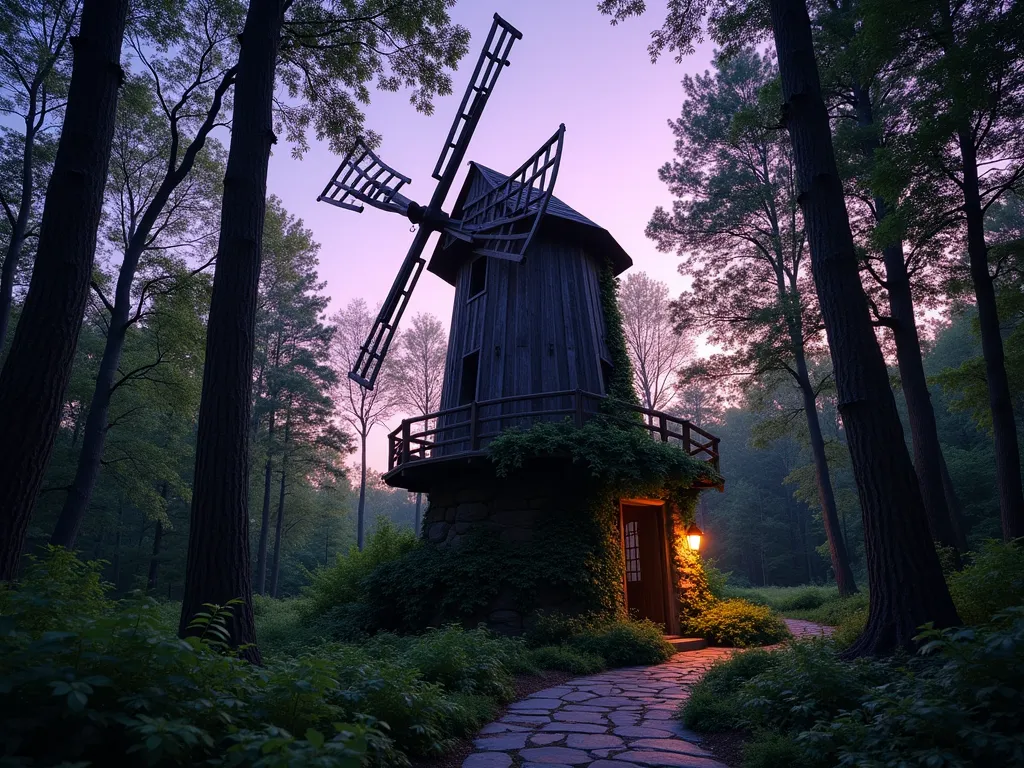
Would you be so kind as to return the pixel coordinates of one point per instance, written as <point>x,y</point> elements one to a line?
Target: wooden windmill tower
<point>528,338</point>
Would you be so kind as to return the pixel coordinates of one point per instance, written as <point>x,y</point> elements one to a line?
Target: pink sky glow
<point>571,67</point>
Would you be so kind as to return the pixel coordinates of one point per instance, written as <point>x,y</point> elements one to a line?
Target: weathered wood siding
<point>538,325</point>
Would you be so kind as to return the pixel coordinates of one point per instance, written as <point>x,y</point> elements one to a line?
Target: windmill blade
<point>375,349</point>
<point>363,177</point>
<point>493,59</point>
<point>502,222</point>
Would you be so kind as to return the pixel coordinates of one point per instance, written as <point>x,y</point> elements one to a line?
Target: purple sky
<point>571,67</point>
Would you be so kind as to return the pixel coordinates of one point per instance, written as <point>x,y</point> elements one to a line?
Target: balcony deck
<point>466,431</point>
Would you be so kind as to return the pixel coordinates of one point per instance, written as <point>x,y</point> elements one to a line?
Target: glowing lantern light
<point>693,535</point>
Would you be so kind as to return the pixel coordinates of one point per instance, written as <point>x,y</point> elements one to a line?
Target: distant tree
<point>38,366</point>
<point>362,409</point>
<point>700,403</point>
<point>906,585</point>
<point>293,348</point>
<point>418,370</point>
<point>35,64</point>
<point>656,349</point>
<point>966,112</point>
<point>163,193</point>
<point>736,221</point>
<point>323,54</point>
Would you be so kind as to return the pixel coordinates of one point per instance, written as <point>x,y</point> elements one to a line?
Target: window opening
<point>478,277</point>
<point>632,552</point>
<point>467,385</point>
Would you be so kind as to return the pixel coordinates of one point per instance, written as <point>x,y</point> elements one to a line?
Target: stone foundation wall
<point>509,510</point>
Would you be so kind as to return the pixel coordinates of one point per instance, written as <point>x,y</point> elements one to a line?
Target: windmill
<point>500,224</point>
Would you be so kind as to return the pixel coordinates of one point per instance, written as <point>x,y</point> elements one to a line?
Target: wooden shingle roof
<point>560,220</point>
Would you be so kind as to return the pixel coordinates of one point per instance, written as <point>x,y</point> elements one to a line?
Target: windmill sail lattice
<point>500,223</point>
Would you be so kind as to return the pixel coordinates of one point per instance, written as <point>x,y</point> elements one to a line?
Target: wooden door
<point>644,552</point>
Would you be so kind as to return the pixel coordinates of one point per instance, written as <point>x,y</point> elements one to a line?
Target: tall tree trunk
<point>261,552</point>
<point>906,585</point>
<point>279,528</point>
<point>19,227</point>
<point>362,493</point>
<point>154,558</point>
<point>924,433</point>
<point>219,566</point>
<point>36,373</point>
<point>826,495</point>
<point>1004,428</point>
<point>956,513</point>
<point>76,503</point>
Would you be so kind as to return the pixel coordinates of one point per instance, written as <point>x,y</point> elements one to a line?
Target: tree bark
<point>940,501</point>
<point>362,493</point>
<point>279,529</point>
<point>219,566</point>
<point>261,552</point>
<point>36,373</point>
<point>154,558</point>
<point>906,585</point>
<point>90,458</point>
<point>829,514</point>
<point>1000,401</point>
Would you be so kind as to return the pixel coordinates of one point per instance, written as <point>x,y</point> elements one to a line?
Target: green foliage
<point>58,588</point>
<point>564,659</point>
<point>113,680</point>
<point>695,593</point>
<point>625,643</point>
<point>771,750</point>
<point>345,582</point>
<point>620,384</point>
<point>716,580</point>
<point>473,662</point>
<point>960,704</point>
<point>992,582</point>
<point>739,624</point>
<point>712,705</point>
<point>618,642</point>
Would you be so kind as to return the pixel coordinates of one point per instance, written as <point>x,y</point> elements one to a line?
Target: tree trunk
<point>20,225</point>
<point>906,585</point>
<point>924,433</point>
<point>956,514</point>
<point>1004,429</point>
<point>76,504</point>
<point>362,493</point>
<point>829,514</point>
<point>219,566</point>
<point>154,558</point>
<point>36,373</point>
<point>261,552</point>
<point>279,530</point>
<point>278,533</point>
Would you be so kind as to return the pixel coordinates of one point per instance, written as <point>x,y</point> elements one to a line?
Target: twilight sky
<point>571,67</point>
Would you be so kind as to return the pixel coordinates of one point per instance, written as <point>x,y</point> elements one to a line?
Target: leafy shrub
<point>804,599</point>
<point>474,662</point>
<point>960,704</point>
<point>716,579</point>
<point>740,624</point>
<point>771,750</point>
<point>992,582</point>
<point>113,680</point>
<point>713,704</point>
<point>625,643</point>
<point>554,628</point>
<point>806,682</point>
<point>793,602</point>
<point>343,582</point>
<point>565,660</point>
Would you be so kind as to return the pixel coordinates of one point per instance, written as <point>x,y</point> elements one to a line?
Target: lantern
<point>693,535</point>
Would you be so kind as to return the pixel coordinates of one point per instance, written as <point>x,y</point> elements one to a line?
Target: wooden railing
<point>469,428</point>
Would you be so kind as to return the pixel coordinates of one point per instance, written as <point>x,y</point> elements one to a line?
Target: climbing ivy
<point>620,384</point>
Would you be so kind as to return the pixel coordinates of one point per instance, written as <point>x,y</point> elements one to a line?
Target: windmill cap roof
<point>559,217</point>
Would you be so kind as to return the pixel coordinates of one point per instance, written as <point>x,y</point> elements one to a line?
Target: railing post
<point>686,438</point>
<point>578,403</point>
<point>474,432</point>
<point>663,428</point>
<point>406,440</point>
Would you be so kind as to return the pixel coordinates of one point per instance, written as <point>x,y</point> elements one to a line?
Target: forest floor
<point>615,719</point>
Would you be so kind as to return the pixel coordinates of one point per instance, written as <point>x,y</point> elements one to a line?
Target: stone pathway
<point>618,719</point>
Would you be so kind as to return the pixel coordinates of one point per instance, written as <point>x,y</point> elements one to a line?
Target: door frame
<point>665,526</point>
